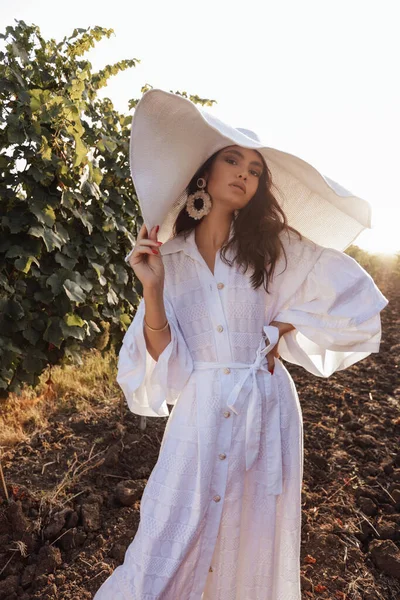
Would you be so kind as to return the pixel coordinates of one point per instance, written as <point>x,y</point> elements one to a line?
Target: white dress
<point>220,517</point>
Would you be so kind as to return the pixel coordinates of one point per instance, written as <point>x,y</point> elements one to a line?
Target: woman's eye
<point>232,160</point>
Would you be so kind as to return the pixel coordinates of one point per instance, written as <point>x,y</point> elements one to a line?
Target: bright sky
<point>316,78</point>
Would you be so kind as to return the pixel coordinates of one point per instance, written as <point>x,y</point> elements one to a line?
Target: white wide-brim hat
<point>171,137</point>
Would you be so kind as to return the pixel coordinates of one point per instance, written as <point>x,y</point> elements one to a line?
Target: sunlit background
<point>315,78</point>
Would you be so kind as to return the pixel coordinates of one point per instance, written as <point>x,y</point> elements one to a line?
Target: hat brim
<point>171,138</point>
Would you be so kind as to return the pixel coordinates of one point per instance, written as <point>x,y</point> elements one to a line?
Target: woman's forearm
<point>156,341</point>
<point>283,327</point>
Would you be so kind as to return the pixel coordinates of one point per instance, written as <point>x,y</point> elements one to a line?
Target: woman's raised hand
<point>274,353</point>
<point>146,260</point>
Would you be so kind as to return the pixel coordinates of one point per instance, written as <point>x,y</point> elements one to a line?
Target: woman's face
<point>234,176</point>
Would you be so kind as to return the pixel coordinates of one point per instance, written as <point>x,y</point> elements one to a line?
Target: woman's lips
<point>236,187</point>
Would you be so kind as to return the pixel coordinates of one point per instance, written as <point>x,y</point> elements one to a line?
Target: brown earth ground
<point>75,462</point>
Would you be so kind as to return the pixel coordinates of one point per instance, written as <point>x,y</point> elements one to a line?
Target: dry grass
<point>65,388</point>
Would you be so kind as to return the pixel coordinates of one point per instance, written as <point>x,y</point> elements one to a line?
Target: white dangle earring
<point>200,196</point>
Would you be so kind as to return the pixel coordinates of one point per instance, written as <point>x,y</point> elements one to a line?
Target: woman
<point>220,516</point>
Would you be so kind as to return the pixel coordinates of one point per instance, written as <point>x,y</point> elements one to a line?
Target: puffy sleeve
<point>148,385</point>
<point>336,315</point>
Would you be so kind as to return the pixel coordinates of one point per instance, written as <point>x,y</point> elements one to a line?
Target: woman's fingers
<point>153,233</point>
<point>272,354</point>
<point>147,242</point>
<point>145,235</point>
<point>134,257</point>
<point>141,250</point>
<point>142,233</point>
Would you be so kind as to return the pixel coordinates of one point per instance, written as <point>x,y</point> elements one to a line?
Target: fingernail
<point>154,251</point>
<point>159,243</point>
<point>157,228</point>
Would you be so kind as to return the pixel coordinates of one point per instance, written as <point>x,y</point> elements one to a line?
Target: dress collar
<point>187,246</point>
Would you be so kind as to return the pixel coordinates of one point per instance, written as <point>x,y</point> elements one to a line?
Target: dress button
<point>227,414</point>
<point>222,456</point>
<point>227,371</point>
<point>220,328</point>
<point>211,569</point>
<point>220,286</point>
<point>217,498</point>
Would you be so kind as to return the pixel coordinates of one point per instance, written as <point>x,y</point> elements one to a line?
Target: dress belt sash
<point>254,408</point>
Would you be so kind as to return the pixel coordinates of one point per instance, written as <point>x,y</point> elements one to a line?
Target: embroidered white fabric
<point>220,516</point>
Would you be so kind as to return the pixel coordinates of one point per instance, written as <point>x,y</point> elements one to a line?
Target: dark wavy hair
<point>256,228</point>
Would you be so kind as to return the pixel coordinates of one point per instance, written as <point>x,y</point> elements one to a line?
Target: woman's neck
<point>212,234</point>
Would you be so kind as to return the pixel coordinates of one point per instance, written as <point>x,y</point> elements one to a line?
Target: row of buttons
<point>220,286</point>
<point>222,456</point>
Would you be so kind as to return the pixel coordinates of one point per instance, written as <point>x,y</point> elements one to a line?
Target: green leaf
<point>72,319</point>
<point>74,291</point>
<point>14,309</point>
<point>97,176</point>
<point>91,189</point>
<point>6,344</point>
<point>83,282</point>
<point>50,237</point>
<point>15,136</point>
<point>38,99</point>
<point>67,199</point>
<point>62,233</point>
<point>93,327</point>
<point>40,324</point>
<point>24,264</point>
<point>4,284</point>
<point>106,143</point>
<point>31,335</point>
<point>31,364</point>
<point>49,216</point>
<point>125,320</point>
<point>16,251</point>
<point>55,281</point>
<point>45,149</point>
<point>45,215</point>
<point>99,270</point>
<point>121,275</point>
<point>71,250</point>
<point>75,332</point>
<point>53,332</point>
<point>76,88</point>
<point>85,217</point>
<point>73,354</point>
<point>80,150</point>
<point>112,297</point>
<point>20,52</point>
<point>45,296</point>
<point>67,263</point>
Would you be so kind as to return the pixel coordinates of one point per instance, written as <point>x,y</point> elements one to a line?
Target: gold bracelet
<point>151,328</point>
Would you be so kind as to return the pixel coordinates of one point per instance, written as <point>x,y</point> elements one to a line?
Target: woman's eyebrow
<point>253,162</point>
